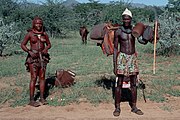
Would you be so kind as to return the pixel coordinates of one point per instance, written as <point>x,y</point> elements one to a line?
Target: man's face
<point>126,20</point>
<point>38,25</point>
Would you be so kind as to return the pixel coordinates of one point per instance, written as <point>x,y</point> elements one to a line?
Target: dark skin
<point>127,46</point>
<point>39,43</point>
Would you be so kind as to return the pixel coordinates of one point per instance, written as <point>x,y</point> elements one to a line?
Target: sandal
<point>34,104</point>
<point>137,111</point>
<point>43,101</point>
<point>117,112</point>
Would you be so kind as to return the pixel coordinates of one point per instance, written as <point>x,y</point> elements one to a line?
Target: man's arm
<point>116,37</point>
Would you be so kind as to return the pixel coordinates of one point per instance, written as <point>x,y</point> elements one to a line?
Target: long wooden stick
<point>154,62</point>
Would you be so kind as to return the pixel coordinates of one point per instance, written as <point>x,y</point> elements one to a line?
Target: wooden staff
<point>155,33</point>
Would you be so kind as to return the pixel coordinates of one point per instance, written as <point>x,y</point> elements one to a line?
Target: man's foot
<point>137,111</point>
<point>34,104</point>
<point>117,112</point>
<point>43,101</point>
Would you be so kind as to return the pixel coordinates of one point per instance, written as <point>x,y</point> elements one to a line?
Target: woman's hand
<point>45,51</point>
<point>33,55</point>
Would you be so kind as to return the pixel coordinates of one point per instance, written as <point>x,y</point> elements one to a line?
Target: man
<point>37,58</point>
<point>125,64</point>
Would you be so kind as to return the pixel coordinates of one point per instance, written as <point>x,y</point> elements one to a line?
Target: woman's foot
<point>43,101</point>
<point>34,103</point>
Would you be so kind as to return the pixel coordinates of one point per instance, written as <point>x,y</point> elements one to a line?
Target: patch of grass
<point>156,96</point>
<point>163,87</point>
<point>166,108</point>
<point>83,89</point>
<point>175,93</point>
<point>56,101</point>
<point>98,95</point>
<point>21,99</point>
<point>12,65</point>
<point>6,94</point>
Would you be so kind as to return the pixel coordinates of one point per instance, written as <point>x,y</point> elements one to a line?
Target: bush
<point>169,35</point>
<point>8,35</point>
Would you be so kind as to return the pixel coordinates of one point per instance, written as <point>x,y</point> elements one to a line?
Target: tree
<point>8,35</point>
<point>169,33</point>
<point>112,12</point>
<point>7,10</point>
<point>173,5</point>
<point>89,13</point>
<point>57,18</point>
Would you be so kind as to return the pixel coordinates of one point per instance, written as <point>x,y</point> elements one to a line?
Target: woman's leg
<point>34,73</point>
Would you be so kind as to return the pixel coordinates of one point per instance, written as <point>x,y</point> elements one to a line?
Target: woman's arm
<point>24,42</point>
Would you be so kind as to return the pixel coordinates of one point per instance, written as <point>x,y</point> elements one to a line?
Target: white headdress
<point>127,12</point>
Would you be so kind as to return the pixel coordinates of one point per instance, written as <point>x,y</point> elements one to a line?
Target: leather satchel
<point>64,78</point>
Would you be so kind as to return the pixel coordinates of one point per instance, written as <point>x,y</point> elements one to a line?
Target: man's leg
<point>33,72</point>
<point>134,108</point>
<point>118,90</point>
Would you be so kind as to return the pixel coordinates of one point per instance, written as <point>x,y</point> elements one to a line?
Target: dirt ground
<point>86,111</point>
